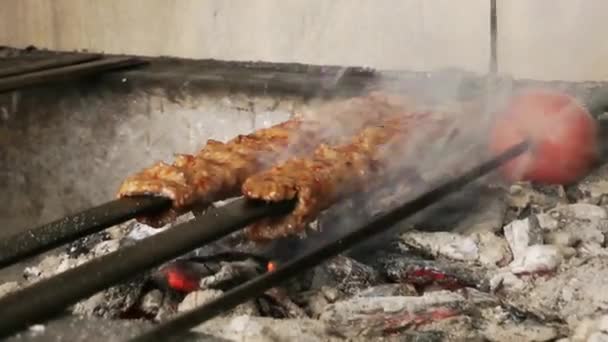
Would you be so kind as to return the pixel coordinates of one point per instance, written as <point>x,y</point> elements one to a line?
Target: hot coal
<point>433,273</point>
<point>220,271</point>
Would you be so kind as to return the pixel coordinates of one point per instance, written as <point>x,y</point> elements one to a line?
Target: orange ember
<point>180,281</point>
<point>271,267</point>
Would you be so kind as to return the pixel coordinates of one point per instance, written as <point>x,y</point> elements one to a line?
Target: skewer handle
<point>70,228</point>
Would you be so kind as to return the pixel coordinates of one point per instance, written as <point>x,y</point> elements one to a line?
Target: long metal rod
<point>68,72</point>
<point>48,63</point>
<point>70,228</point>
<point>314,257</point>
<point>49,297</point>
<point>493,37</point>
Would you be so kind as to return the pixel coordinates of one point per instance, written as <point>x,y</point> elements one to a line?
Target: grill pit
<point>519,261</point>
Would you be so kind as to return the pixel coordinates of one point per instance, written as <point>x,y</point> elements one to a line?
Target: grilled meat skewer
<point>331,174</point>
<point>218,170</point>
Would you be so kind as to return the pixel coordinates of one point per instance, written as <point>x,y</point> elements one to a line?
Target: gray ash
<point>537,275</point>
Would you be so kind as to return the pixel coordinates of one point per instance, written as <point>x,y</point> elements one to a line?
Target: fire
<point>271,267</point>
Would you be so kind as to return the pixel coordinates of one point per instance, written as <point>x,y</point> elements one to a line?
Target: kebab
<point>218,170</point>
<point>331,174</point>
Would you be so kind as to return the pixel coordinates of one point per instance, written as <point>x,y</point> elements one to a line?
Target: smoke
<point>451,139</point>
<point>464,109</point>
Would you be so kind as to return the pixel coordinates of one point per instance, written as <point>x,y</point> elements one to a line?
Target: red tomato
<point>563,133</point>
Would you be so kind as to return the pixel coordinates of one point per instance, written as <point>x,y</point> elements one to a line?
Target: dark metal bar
<point>49,297</point>
<point>48,63</point>
<point>68,72</point>
<point>259,285</point>
<point>70,228</point>
<point>493,37</point>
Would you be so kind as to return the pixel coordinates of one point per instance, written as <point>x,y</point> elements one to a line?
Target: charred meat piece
<point>218,170</point>
<point>331,174</point>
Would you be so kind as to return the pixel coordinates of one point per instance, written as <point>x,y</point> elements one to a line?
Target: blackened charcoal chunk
<point>282,305</point>
<point>346,274</point>
<point>113,302</point>
<point>86,244</point>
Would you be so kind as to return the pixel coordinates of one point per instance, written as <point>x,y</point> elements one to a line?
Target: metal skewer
<point>49,297</point>
<point>49,63</point>
<point>70,228</point>
<point>259,285</point>
<point>46,76</point>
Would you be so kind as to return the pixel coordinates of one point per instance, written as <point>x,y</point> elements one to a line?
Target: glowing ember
<point>272,266</point>
<point>426,276</point>
<point>181,281</point>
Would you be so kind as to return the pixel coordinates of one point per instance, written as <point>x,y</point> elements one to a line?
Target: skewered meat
<point>218,170</point>
<point>332,173</point>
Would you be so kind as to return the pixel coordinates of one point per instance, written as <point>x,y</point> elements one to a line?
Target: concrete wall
<point>553,39</point>
<point>541,39</point>
<point>387,34</point>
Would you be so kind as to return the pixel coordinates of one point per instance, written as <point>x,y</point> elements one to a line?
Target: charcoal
<point>534,250</point>
<point>264,329</point>
<point>593,188</point>
<point>232,273</point>
<point>498,326</point>
<point>283,303</point>
<point>539,259</point>
<point>112,302</point>
<point>522,233</point>
<point>573,293</point>
<point>50,265</point>
<point>424,273</point>
<point>485,248</point>
<point>450,245</point>
<point>493,250</point>
<point>133,231</point>
<point>7,288</point>
<point>523,199</point>
<point>315,301</point>
<point>219,271</point>
<point>505,280</point>
<point>417,336</point>
<point>388,290</point>
<point>86,244</point>
<point>593,329</point>
<point>346,274</point>
<point>198,298</point>
<point>377,316</point>
<point>581,225</point>
<point>58,263</point>
<point>151,302</point>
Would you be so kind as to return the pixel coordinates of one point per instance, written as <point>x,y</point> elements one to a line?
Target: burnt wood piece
<point>172,329</point>
<point>67,72</point>
<point>49,297</point>
<point>70,228</point>
<point>48,63</point>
